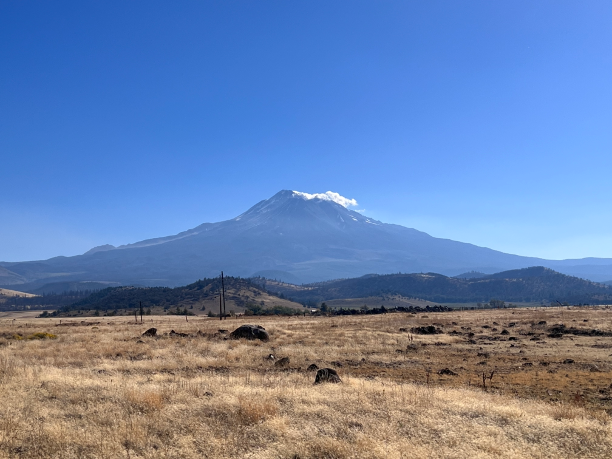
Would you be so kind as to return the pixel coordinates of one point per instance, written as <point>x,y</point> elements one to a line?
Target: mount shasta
<point>293,236</point>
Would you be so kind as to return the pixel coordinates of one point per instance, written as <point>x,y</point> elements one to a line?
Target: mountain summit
<point>292,236</point>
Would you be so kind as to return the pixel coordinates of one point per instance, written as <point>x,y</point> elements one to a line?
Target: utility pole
<point>221,300</point>
<point>223,288</point>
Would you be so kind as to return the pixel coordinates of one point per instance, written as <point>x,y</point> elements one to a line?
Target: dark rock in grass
<point>428,330</point>
<point>312,367</point>
<point>568,361</point>
<point>504,332</point>
<point>282,362</point>
<point>327,375</point>
<point>150,332</point>
<point>447,372</point>
<point>270,357</point>
<point>403,329</point>
<point>250,332</point>
<point>181,335</point>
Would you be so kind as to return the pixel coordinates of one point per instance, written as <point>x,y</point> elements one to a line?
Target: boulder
<point>150,332</point>
<point>182,335</point>
<point>447,372</point>
<point>427,330</point>
<point>326,375</point>
<point>250,332</point>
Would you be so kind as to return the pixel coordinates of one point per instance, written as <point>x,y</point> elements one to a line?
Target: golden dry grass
<point>11,293</point>
<point>102,391</point>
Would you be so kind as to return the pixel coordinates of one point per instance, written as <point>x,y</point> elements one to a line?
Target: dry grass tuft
<point>255,411</point>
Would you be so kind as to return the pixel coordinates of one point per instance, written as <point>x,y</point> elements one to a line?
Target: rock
<point>222,330</point>
<point>403,329</point>
<point>447,371</point>
<point>312,367</point>
<point>270,357</point>
<point>150,332</point>
<point>182,335</point>
<point>568,361</point>
<point>428,330</point>
<point>250,332</point>
<point>542,322</point>
<point>326,375</point>
<point>504,332</point>
<point>282,362</point>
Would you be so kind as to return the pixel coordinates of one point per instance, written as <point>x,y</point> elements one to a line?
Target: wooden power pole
<point>221,299</point>
<point>223,289</point>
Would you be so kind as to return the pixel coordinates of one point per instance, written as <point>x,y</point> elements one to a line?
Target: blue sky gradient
<point>479,121</point>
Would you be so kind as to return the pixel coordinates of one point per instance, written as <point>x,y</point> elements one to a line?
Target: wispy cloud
<point>329,196</point>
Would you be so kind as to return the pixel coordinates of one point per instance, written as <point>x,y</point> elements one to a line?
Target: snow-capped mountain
<point>294,236</point>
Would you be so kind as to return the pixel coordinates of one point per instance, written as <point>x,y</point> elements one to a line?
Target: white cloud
<point>329,196</point>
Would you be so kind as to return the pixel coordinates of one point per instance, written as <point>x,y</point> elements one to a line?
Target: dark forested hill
<point>529,284</point>
<point>203,294</point>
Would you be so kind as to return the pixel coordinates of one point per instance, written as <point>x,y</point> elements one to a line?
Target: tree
<point>324,307</point>
<point>497,303</point>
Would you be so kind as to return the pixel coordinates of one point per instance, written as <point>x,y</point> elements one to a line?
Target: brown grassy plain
<point>100,390</point>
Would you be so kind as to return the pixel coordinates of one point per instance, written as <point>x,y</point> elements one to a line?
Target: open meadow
<point>493,383</point>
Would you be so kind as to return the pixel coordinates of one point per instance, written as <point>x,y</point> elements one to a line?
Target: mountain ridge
<point>312,237</point>
<point>533,284</point>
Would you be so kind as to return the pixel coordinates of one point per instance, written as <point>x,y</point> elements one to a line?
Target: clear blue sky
<point>487,122</point>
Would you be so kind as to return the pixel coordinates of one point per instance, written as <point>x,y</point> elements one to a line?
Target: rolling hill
<point>202,295</point>
<point>522,285</point>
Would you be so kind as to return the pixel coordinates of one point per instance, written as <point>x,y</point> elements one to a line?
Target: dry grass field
<point>4,292</point>
<point>101,390</point>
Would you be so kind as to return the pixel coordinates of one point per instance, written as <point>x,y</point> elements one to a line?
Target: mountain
<point>521,285</point>
<point>294,236</point>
